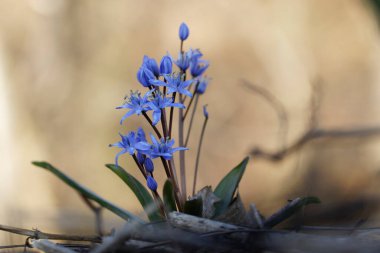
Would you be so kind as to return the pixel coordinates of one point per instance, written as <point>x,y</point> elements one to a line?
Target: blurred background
<point>65,65</point>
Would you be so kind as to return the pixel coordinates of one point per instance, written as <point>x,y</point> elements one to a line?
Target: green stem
<point>199,154</point>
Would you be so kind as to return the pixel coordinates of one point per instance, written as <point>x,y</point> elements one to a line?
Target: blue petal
<point>119,154</point>
<point>154,140</point>
<point>157,82</point>
<point>156,117</point>
<point>142,146</point>
<point>130,113</point>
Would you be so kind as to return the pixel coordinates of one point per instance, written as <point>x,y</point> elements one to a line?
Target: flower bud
<point>148,165</point>
<point>205,112</point>
<point>203,83</point>
<point>151,64</point>
<point>166,65</point>
<point>140,158</point>
<point>151,183</point>
<point>183,32</point>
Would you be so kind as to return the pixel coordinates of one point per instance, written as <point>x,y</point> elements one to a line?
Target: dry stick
<point>313,134</point>
<point>199,154</point>
<point>97,210</point>
<point>191,119</point>
<point>151,123</point>
<point>36,234</point>
<point>12,246</point>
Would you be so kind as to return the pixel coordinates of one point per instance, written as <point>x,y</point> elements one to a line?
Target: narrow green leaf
<point>290,209</point>
<point>168,194</point>
<point>88,194</point>
<point>227,187</point>
<point>194,206</point>
<point>139,190</point>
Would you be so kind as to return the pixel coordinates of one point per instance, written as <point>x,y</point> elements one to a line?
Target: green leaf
<point>194,206</point>
<point>139,190</point>
<point>168,194</point>
<point>88,194</point>
<point>227,187</point>
<point>290,209</point>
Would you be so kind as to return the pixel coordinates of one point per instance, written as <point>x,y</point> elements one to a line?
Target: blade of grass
<point>88,194</point>
<point>139,190</point>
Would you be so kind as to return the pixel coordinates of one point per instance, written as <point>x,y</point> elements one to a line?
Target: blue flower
<point>151,64</point>
<point>144,75</point>
<point>140,135</point>
<point>158,102</point>
<point>151,183</point>
<point>202,84</point>
<point>166,65</point>
<point>127,144</point>
<point>136,104</point>
<point>198,66</point>
<point>174,83</point>
<point>183,32</point>
<point>183,61</point>
<point>160,148</point>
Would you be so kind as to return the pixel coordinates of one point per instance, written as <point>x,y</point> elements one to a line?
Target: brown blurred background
<point>65,65</point>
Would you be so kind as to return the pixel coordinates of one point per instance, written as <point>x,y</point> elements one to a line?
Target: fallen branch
<point>36,234</point>
<point>311,135</point>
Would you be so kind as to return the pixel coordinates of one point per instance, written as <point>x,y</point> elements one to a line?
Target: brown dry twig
<point>36,234</point>
<point>312,133</point>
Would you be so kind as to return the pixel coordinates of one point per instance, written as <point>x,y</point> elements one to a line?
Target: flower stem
<point>157,197</point>
<point>177,194</point>
<point>139,165</point>
<point>151,123</point>
<point>171,117</point>
<point>181,153</point>
<point>191,119</point>
<point>199,154</point>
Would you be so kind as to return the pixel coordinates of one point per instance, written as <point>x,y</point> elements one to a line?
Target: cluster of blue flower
<point>163,84</point>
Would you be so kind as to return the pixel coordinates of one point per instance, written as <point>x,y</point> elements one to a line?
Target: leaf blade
<point>139,190</point>
<point>226,188</point>
<point>87,193</point>
<point>168,195</point>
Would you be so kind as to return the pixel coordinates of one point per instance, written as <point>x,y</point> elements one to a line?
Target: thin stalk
<point>191,119</point>
<point>153,126</point>
<point>163,117</point>
<point>163,122</point>
<point>171,117</point>
<point>140,166</point>
<point>182,168</point>
<point>199,154</point>
<point>191,101</point>
<point>154,193</point>
<point>177,195</point>
<point>175,183</point>
<point>158,200</point>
